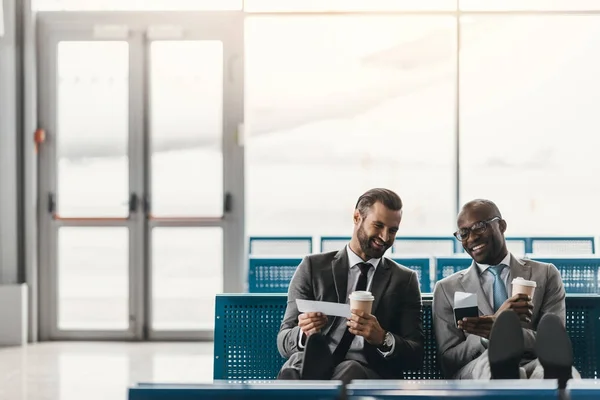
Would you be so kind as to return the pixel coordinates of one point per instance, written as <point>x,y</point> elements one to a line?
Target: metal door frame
<point>53,27</point>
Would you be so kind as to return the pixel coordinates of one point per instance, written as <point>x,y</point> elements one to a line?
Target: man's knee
<point>348,370</point>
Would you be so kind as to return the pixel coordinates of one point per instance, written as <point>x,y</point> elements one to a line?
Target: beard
<point>366,246</point>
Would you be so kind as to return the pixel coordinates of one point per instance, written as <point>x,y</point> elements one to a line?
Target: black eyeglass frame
<point>478,227</point>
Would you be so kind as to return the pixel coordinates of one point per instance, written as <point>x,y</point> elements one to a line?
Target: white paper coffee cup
<point>361,300</point>
<point>520,285</point>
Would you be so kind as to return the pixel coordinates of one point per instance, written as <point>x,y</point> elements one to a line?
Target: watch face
<point>388,339</point>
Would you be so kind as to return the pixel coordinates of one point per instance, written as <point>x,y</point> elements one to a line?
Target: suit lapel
<point>471,284</point>
<point>340,268</point>
<point>517,269</point>
<point>381,279</point>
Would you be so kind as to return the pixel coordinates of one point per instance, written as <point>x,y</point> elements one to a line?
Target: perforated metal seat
<point>246,327</point>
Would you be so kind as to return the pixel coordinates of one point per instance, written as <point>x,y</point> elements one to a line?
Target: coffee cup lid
<point>524,282</point>
<point>361,295</point>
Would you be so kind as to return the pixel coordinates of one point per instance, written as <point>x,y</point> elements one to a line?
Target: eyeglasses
<point>477,228</point>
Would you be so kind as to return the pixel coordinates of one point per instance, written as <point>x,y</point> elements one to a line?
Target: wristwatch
<point>388,341</point>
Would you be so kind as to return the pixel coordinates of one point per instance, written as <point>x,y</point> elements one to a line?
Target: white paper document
<point>463,300</point>
<point>465,305</point>
<point>325,307</point>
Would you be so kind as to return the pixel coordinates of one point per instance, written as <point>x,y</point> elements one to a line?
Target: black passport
<point>465,312</point>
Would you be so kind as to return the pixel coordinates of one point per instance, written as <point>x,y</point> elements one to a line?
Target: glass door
<point>141,175</point>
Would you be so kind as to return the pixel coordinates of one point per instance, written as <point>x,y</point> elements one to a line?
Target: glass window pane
<point>134,5</point>
<point>529,120</point>
<point>528,5</point>
<point>351,103</point>
<point>93,278</point>
<point>92,129</point>
<point>187,273</point>
<point>347,5</point>
<point>186,106</point>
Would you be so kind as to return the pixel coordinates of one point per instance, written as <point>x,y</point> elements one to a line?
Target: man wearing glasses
<point>514,336</point>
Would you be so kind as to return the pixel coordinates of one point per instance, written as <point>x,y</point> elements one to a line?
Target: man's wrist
<point>386,343</point>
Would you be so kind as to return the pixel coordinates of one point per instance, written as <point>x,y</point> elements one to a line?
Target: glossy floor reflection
<point>94,371</point>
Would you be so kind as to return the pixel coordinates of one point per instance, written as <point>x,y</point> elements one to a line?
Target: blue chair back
<point>246,327</point>
<point>422,266</point>
<point>274,274</point>
<point>430,368</point>
<point>446,266</point>
<point>280,245</point>
<point>583,325</point>
<point>579,274</point>
<point>271,274</point>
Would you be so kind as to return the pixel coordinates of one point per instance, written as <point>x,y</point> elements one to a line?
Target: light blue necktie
<point>500,294</point>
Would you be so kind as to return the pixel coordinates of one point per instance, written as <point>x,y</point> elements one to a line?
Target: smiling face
<point>485,242</point>
<point>375,232</point>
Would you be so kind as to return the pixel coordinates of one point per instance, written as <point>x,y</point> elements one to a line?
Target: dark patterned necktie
<point>340,351</point>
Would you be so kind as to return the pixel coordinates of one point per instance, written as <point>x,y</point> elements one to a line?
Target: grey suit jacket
<point>397,306</point>
<point>455,348</point>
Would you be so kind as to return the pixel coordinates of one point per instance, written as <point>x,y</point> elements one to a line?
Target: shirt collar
<point>354,259</point>
<point>483,267</point>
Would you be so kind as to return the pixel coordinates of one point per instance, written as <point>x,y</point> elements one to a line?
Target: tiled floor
<point>94,371</point>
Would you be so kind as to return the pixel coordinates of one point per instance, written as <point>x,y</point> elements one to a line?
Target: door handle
<point>227,203</point>
<point>51,204</point>
<point>133,203</point>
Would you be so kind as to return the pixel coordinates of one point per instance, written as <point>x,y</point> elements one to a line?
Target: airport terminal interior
<point>165,166</point>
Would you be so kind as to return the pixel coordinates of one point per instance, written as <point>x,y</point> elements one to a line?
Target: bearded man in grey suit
<point>514,336</point>
<point>365,346</point>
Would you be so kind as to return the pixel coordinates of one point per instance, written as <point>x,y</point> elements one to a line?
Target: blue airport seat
<point>583,325</point>
<point>430,368</point>
<point>583,389</point>
<point>422,266</point>
<point>427,245</point>
<point>280,245</point>
<point>330,390</point>
<point>471,389</point>
<point>562,245</point>
<point>446,266</point>
<point>579,274</point>
<point>274,274</point>
<point>245,345</point>
<point>246,327</point>
<point>271,274</point>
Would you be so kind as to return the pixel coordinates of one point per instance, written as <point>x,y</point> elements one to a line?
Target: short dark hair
<point>384,196</point>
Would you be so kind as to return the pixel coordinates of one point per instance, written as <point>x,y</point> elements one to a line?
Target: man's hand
<point>519,303</point>
<point>482,326</point>
<point>367,326</point>
<point>311,322</point>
